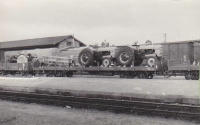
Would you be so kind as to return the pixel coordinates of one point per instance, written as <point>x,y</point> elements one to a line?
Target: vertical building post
<point>73,41</point>
<point>165,36</point>
<point>2,56</point>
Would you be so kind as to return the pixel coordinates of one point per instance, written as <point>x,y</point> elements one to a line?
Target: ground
<point>12,113</point>
<point>157,86</point>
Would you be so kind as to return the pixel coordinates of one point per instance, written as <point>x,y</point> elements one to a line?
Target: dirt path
<point>12,113</point>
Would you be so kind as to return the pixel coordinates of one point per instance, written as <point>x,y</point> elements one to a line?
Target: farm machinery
<point>94,55</point>
<point>125,56</point>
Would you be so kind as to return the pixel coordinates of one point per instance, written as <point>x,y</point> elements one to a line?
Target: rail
<point>178,111</point>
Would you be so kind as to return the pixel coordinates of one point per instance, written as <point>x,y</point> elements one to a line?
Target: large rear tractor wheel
<point>85,57</point>
<point>125,56</point>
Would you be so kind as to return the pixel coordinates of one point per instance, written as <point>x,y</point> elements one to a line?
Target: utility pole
<point>165,36</point>
<point>73,40</point>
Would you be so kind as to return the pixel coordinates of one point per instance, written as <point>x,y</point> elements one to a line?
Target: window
<point>69,44</point>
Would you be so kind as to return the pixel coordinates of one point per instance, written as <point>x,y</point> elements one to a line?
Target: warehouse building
<point>59,42</point>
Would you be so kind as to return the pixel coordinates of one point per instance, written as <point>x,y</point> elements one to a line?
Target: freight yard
<point>100,62</point>
<point>131,79</point>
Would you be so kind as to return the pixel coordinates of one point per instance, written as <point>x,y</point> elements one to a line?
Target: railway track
<point>178,111</point>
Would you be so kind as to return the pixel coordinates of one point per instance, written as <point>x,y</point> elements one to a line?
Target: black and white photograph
<point>99,62</point>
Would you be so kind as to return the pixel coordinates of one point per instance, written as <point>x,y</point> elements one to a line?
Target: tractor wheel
<point>151,61</point>
<point>85,57</point>
<point>125,56</point>
<point>106,62</point>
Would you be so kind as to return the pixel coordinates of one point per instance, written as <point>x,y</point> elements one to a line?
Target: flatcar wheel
<point>63,74</point>
<point>69,74</point>
<point>24,74</point>
<point>166,74</point>
<point>3,73</point>
<point>121,75</point>
<point>127,75</point>
<point>131,75</point>
<point>141,76</point>
<point>50,74</point>
<point>58,74</point>
<point>187,76</point>
<point>150,76</point>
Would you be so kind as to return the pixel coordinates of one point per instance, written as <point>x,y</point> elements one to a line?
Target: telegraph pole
<point>165,36</point>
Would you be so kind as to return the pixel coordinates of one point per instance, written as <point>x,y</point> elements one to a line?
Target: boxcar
<point>182,57</point>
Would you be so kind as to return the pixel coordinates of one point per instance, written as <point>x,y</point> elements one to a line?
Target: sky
<point>119,22</point>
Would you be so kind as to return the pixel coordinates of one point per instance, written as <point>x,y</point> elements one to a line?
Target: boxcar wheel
<point>194,76</point>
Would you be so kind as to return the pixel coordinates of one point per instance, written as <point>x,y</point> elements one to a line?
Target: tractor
<point>106,56</point>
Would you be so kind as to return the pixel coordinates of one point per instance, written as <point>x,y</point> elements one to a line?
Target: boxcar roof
<point>37,42</point>
<point>186,41</point>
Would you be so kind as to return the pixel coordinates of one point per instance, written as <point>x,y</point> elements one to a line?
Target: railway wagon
<point>68,71</point>
<point>15,68</point>
<point>182,58</point>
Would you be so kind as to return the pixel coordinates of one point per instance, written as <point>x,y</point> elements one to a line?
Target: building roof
<point>37,42</point>
<point>186,41</point>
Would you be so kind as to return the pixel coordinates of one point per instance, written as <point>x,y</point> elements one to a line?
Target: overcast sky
<point>93,21</point>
